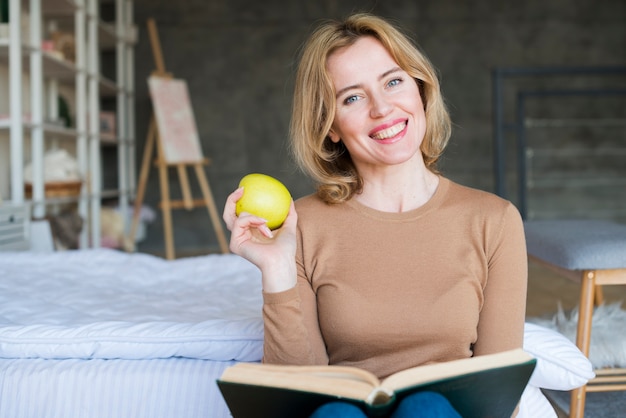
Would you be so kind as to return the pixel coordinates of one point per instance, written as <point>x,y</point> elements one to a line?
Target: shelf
<point>62,12</point>
<point>53,8</point>
<point>109,141</point>
<point>107,36</point>
<point>48,128</point>
<point>51,201</point>
<point>109,194</point>
<point>108,87</point>
<point>88,91</point>
<point>60,132</point>
<point>53,67</point>
<point>62,70</point>
<point>107,32</point>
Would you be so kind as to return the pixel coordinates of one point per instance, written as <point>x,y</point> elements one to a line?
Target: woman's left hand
<point>273,252</point>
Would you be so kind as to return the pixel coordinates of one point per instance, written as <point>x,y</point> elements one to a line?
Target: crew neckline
<point>431,204</point>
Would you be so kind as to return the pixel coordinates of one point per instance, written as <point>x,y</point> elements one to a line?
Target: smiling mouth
<point>389,132</point>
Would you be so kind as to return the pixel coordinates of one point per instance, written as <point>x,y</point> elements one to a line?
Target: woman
<point>389,265</point>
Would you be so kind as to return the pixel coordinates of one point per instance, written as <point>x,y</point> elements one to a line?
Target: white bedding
<point>101,333</point>
<point>98,388</point>
<point>104,333</point>
<point>107,304</point>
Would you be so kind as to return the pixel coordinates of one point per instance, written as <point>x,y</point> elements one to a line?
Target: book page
<point>348,382</point>
<point>431,372</point>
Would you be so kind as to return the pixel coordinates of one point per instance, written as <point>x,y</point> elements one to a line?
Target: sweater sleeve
<point>291,326</point>
<point>501,322</point>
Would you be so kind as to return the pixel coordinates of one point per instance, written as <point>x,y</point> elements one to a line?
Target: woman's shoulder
<point>481,200</point>
<point>493,212</point>
<point>311,209</point>
<point>473,194</point>
<point>311,202</point>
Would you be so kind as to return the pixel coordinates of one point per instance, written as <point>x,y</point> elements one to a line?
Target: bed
<point>102,333</point>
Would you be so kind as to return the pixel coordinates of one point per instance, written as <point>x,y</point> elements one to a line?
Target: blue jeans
<point>417,405</point>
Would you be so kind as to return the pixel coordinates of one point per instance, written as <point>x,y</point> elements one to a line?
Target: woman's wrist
<point>279,276</point>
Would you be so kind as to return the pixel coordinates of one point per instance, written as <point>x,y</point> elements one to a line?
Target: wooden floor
<point>546,289</point>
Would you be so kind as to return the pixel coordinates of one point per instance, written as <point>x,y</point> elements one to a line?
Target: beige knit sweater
<point>388,291</point>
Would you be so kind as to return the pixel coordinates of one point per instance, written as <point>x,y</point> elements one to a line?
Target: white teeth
<point>389,132</point>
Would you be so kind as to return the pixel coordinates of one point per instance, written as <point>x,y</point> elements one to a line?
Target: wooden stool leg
<point>583,337</point>
<point>599,296</point>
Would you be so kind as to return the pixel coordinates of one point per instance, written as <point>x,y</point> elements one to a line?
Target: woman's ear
<point>333,136</point>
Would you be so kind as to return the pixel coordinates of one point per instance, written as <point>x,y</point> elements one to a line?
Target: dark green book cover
<point>492,393</point>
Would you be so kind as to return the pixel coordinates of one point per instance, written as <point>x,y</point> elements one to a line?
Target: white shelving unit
<point>36,77</point>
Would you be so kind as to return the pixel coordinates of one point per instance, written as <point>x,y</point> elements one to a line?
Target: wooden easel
<point>162,165</point>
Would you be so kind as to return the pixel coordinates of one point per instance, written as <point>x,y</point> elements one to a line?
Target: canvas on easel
<point>173,130</point>
<point>175,120</point>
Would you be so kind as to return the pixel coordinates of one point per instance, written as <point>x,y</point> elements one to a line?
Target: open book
<point>484,386</point>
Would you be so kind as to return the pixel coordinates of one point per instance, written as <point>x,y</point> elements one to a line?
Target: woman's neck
<point>395,193</point>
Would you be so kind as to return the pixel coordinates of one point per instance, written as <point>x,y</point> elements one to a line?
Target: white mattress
<point>101,333</point>
<point>98,388</point>
<point>107,304</point>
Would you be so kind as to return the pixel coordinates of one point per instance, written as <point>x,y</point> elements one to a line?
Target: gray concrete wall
<point>238,59</point>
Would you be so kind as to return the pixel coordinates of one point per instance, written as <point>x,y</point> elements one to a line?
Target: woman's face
<point>379,114</point>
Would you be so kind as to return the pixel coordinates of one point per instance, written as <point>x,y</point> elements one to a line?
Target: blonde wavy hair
<point>329,164</point>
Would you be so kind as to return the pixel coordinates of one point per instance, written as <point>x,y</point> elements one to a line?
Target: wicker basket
<point>56,189</point>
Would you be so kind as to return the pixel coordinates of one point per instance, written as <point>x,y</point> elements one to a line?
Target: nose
<point>380,106</point>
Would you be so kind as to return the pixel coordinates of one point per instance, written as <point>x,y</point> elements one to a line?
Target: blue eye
<point>351,99</point>
<point>394,82</point>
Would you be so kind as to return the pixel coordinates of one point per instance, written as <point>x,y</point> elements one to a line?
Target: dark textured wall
<point>238,59</point>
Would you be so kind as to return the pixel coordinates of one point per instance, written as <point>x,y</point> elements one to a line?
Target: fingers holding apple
<point>229,214</point>
<point>262,219</point>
